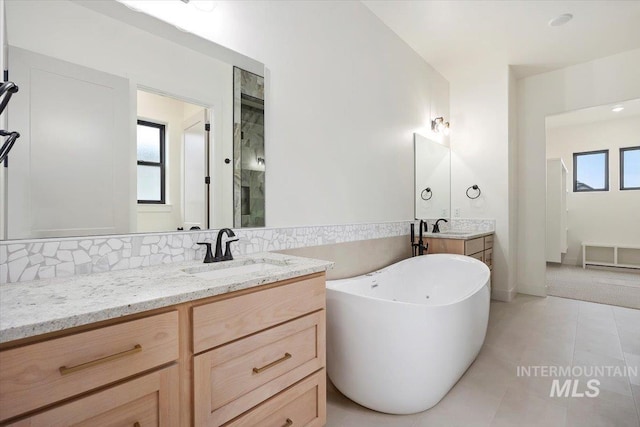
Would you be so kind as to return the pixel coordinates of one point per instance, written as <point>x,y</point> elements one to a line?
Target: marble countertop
<point>460,235</point>
<point>33,308</point>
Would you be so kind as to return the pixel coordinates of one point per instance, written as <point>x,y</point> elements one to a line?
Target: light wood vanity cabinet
<point>39,374</point>
<point>150,400</point>
<point>253,348</point>
<point>480,248</point>
<point>249,358</point>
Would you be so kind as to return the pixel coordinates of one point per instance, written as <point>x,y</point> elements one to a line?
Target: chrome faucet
<point>219,256</point>
<point>436,227</point>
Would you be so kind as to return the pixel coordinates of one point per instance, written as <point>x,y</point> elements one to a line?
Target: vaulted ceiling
<point>451,34</point>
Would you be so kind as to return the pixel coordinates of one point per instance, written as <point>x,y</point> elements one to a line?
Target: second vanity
<point>477,245</point>
<point>238,344</point>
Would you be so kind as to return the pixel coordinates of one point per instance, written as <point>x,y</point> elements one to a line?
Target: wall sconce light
<point>438,125</point>
<point>260,161</point>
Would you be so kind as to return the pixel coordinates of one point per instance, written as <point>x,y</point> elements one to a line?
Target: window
<point>591,171</point>
<point>151,162</point>
<point>630,168</point>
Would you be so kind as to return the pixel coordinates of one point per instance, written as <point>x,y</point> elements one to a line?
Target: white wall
<point>599,217</point>
<point>598,82</point>
<point>344,96</point>
<point>480,154</point>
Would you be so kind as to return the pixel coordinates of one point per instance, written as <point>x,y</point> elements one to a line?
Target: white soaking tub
<point>398,339</point>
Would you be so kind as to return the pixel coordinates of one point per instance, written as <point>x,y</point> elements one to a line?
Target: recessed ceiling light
<point>560,20</point>
<point>617,108</point>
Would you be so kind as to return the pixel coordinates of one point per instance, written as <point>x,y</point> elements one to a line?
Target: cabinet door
<point>151,400</point>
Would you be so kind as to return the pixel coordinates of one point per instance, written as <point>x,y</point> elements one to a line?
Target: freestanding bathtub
<point>398,339</point>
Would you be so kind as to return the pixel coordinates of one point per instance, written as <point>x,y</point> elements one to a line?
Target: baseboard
<point>502,295</point>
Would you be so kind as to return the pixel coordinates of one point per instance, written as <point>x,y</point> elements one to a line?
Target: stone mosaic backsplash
<point>25,260</point>
<point>461,224</point>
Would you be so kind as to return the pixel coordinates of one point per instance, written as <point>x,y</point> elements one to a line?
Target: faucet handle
<point>227,250</point>
<point>209,256</point>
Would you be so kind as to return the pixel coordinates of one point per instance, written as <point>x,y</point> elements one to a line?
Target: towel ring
<point>428,191</point>
<point>474,187</point>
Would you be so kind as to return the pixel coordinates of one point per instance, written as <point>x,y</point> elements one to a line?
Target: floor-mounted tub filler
<point>398,339</point>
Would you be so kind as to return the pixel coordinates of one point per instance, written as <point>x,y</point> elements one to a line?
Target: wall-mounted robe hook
<point>476,188</point>
<point>425,192</point>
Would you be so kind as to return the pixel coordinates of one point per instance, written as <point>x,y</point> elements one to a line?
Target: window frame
<point>622,151</point>
<point>161,164</point>
<point>606,170</point>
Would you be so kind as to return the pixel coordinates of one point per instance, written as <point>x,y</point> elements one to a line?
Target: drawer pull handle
<point>136,424</point>
<point>286,356</point>
<point>288,423</point>
<point>64,370</point>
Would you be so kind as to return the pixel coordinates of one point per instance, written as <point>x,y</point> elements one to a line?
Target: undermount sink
<point>226,269</point>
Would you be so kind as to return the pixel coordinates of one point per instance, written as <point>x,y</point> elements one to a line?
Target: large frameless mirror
<point>127,125</point>
<point>432,189</point>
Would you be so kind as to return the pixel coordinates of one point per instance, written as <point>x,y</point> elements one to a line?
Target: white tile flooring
<point>531,331</point>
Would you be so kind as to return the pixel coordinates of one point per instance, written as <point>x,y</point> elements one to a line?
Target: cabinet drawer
<point>301,405</point>
<point>236,377</point>
<point>43,373</point>
<point>473,246</point>
<point>222,321</point>
<point>488,258</point>
<point>488,242</point>
<point>148,400</point>
<point>444,246</point>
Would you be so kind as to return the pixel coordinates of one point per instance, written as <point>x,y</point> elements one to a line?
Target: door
<point>70,172</point>
<point>195,190</point>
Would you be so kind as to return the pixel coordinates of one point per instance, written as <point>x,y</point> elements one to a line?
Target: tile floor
<point>531,331</point>
<point>602,285</point>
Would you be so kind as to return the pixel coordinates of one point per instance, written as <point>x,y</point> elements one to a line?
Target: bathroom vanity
<point>477,245</point>
<point>234,343</point>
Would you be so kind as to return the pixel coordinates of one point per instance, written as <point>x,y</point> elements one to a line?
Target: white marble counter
<point>459,235</point>
<point>38,307</point>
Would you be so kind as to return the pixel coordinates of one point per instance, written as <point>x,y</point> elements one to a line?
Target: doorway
<point>592,204</point>
<point>179,184</point>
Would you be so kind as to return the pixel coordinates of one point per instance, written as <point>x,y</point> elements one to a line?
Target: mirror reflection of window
<point>151,162</point>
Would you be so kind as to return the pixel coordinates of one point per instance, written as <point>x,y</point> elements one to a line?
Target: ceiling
<point>452,34</point>
<point>595,114</point>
